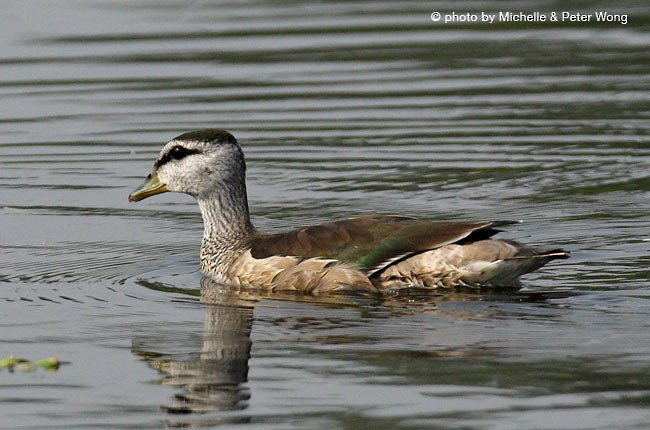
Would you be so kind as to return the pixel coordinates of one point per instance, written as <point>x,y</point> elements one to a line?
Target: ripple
<point>342,108</point>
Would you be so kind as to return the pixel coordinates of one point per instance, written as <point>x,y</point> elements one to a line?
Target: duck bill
<point>150,187</point>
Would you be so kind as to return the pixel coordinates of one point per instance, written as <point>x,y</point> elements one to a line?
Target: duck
<point>370,253</point>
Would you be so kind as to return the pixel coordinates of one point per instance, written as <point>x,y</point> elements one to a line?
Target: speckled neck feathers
<point>226,221</point>
<point>224,208</point>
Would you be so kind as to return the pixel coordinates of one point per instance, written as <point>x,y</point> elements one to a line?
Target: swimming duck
<point>370,253</point>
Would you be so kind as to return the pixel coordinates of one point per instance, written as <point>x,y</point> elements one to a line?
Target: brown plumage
<point>369,253</point>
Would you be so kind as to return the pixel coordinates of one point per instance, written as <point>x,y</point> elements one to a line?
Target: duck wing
<point>371,242</point>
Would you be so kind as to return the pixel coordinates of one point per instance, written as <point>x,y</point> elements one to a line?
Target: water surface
<point>342,108</point>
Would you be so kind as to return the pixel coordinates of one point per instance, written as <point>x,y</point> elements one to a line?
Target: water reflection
<point>453,352</point>
<point>209,368</point>
<point>211,375</point>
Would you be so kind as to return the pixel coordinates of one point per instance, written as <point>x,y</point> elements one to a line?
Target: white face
<point>200,168</point>
<point>205,164</point>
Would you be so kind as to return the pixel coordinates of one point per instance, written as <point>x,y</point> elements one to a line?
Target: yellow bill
<point>150,187</point>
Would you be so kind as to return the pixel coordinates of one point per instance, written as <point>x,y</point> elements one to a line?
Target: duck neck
<point>226,220</point>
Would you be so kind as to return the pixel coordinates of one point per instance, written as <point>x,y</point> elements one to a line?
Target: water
<point>342,108</point>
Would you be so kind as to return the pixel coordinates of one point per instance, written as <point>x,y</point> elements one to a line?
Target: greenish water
<point>342,108</point>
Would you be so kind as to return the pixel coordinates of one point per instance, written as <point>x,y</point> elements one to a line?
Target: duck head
<point>200,163</point>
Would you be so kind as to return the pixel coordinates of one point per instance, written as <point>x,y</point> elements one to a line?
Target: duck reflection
<point>210,368</point>
<point>213,378</point>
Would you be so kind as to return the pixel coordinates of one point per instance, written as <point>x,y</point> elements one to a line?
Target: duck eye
<point>178,152</point>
